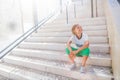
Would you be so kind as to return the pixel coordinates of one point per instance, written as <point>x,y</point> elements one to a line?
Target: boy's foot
<point>82,69</point>
<point>72,66</point>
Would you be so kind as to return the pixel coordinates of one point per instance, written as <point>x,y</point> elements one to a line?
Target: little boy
<point>82,50</point>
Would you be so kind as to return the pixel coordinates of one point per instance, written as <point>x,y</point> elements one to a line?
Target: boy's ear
<point>74,32</point>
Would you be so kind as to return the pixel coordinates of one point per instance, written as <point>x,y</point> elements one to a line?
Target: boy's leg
<point>82,68</point>
<point>84,53</point>
<point>71,57</point>
<point>84,59</point>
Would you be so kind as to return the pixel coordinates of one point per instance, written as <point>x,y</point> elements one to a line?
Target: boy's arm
<point>69,45</point>
<point>86,45</point>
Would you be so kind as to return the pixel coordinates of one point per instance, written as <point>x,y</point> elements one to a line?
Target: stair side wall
<point>114,35</point>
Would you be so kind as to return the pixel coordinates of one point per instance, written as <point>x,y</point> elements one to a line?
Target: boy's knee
<point>67,51</point>
<point>66,48</point>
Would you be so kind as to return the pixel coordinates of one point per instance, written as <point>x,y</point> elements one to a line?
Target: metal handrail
<point>24,36</point>
<point>118,1</point>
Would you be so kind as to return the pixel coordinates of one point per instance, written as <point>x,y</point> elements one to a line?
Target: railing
<point>24,36</point>
<point>112,11</point>
<point>114,3</point>
<point>74,2</point>
<point>118,1</point>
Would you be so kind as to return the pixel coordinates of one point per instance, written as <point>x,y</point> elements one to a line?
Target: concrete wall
<point>34,11</point>
<point>18,16</point>
<point>98,8</point>
<point>112,11</point>
<point>90,8</point>
<point>10,19</point>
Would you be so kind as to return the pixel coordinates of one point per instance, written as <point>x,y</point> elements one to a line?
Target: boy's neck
<point>79,36</point>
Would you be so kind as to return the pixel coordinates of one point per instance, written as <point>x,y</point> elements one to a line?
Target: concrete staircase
<point>42,55</point>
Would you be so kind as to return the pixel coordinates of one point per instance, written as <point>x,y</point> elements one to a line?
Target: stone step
<point>94,59</point>
<point>83,19</point>
<point>68,28</point>
<point>68,34</point>
<point>62,19</point>
<point>71,16</point>
<point>4,78</point>
<point>79,12</point>
<point>70,25</point>
<point>61,68</point>
<point>89,21</point>
<point>100,48</point>
<point>13,72</point>
<point>95,40</point>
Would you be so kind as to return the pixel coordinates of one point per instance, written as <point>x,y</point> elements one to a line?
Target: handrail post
<point>96,8</point>
<point>74,10</point>
<point>61,6</point>
<point>82,2</point>
<point>67,12</point>
<point>92,8</point>
<point>21,15</point>
<point>35,14</point>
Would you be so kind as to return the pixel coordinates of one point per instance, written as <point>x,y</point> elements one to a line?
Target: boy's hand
<point>75,52</point>
<point>71,54</point>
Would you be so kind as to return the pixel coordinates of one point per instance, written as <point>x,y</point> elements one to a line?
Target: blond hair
<point>73,28</point>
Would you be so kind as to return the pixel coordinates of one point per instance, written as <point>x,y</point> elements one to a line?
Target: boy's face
<point>78,30</point>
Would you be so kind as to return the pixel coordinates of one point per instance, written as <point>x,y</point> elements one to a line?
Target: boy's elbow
<point>87,43</point>
<point>68,44</point>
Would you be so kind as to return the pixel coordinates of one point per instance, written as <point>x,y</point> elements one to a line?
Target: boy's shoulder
<point>84,34</point>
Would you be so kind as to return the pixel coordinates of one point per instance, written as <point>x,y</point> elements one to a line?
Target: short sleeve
<point>71,38</point>
<point>85,37</point>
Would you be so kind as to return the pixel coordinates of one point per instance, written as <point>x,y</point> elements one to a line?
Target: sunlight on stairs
<point>42,55</point>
